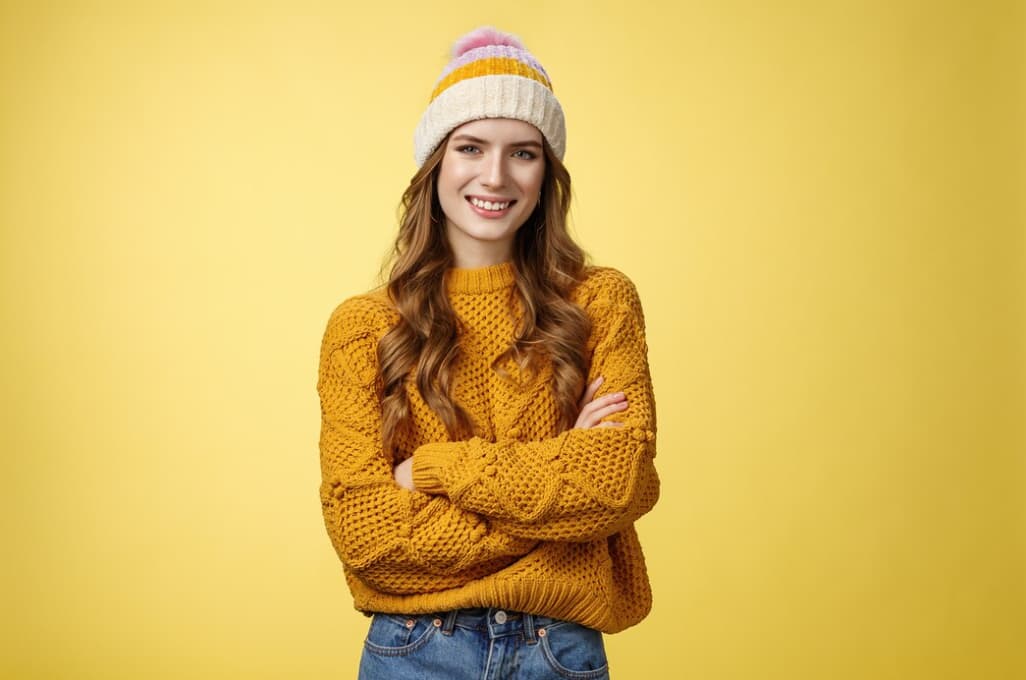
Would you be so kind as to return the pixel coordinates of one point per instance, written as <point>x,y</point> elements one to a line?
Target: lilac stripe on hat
<point>492,51</point>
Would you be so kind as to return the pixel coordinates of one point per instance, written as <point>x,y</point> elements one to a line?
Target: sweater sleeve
<point>395,540</point>
<point>583,484</point>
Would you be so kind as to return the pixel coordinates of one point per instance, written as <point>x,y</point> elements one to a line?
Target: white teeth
<point>488,205</point>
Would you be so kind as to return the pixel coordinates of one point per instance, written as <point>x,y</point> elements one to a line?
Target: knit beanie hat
<point>491,75</point>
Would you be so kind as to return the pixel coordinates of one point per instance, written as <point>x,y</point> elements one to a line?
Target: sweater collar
<point>480,279</point>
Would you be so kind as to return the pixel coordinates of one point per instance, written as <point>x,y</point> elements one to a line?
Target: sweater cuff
<point>430,462</point>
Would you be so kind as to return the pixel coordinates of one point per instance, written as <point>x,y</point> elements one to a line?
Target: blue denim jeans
<point>481,644</point>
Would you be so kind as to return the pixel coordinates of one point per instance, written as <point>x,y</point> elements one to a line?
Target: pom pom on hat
<point>491,75</point>
<point>483,37</point>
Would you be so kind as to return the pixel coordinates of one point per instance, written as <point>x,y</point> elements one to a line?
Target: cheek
<point>453,175</point>
<point>532,182</point>
<point>448,188</point>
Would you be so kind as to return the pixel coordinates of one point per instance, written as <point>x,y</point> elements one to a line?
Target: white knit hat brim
<point>492,96</point>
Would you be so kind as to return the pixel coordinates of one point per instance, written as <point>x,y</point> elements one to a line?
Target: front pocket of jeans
<point>389,635</point>
<point>575,651</point>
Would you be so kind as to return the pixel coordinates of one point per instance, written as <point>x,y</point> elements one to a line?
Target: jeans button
<point>500,617</point>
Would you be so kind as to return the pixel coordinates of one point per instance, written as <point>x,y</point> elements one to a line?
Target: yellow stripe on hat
<point>490,66</point>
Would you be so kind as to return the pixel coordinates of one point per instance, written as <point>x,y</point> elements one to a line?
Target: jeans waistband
<point>496,621</point>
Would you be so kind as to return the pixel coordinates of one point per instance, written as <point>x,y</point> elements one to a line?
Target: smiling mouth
<point>493,206</point>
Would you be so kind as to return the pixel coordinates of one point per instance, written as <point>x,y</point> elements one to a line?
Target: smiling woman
<point>488,421</point>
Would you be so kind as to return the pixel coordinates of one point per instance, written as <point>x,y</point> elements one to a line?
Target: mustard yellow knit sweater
<point>521,516</point>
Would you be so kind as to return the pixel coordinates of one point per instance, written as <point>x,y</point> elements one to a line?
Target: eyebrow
<point>471,138</point>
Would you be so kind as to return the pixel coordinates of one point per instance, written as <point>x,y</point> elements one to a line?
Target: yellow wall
<point>820,203</point>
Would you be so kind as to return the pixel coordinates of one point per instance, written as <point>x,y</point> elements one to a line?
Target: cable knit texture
<point>520,516</point>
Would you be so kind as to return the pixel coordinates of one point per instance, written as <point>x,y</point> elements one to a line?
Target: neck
<point>471,253</point>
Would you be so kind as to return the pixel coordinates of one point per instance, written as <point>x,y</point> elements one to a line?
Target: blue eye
<point>528,155</point>
<point>465,147</point>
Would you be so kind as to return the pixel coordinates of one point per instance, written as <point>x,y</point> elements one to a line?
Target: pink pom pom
<point>482,37</point>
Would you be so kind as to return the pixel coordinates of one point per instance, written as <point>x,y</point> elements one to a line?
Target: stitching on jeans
<point>400,651</point>
<point>566,672</point>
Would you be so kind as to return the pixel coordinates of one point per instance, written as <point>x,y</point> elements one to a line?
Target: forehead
<point>500,130</point>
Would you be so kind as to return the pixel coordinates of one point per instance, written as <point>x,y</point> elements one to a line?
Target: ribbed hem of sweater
<point>569,601</point>
<point>481,279</point>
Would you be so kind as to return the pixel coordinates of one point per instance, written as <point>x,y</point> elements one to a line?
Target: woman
<point>488,422</point>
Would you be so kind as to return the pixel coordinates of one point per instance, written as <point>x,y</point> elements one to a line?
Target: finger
<point>593,417</point>
<point>609,423</point>
<point>603,401</point>
<point>601,413</point>
<point>589,394</point>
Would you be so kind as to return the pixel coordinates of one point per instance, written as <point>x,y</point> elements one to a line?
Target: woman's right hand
<point>594,410</point>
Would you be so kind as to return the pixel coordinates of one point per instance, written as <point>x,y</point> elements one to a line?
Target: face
<point>488,185</point>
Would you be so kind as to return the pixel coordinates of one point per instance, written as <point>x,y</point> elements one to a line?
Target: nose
<point>494,172</point>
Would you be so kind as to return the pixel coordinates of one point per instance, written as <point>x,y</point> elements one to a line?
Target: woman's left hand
<point>403,474</point>
<point>594,410</point>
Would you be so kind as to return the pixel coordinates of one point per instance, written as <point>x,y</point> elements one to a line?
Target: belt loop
<point>450,622</point>
<point>529,629</point>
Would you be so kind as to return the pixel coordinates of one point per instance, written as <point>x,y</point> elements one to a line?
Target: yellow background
<point>821,205</point>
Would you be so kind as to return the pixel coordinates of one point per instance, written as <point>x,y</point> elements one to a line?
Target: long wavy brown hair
<point>547,264</point>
